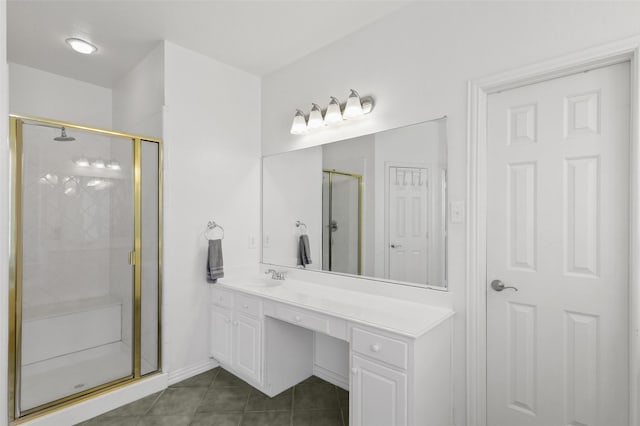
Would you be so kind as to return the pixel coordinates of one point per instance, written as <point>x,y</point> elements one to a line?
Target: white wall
<point>138,96</point>
<point>212,172</point>
<point>43,94</point>
<point>5,201</point>
<point>416,64</point>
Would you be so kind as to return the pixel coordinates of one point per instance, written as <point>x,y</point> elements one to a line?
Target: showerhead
<point>63,136</point>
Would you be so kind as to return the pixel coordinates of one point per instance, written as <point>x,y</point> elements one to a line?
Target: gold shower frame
<point>360,190</point>
<point>15,270</point>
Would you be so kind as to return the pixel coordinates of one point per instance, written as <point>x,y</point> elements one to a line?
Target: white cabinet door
<point>378,394</point>
<point>247,347</point>
<point>221,334</point>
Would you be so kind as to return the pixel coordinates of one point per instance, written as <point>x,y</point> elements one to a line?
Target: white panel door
<point>247,348</point>
<point>557,229</point>
<point>378,394</point>
<point>408,224</point>
<point>221,334</point>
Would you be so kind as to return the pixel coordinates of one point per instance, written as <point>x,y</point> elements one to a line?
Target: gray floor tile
<point>313,380</point>
<point>178,401</point>
<point>274,418</point>
<point>136,408</point>
<point>165,421</point>
<point>219,400</point>
<point>224,379</point>
<point>201,380</point>
<point>261,402</point>
<point>315,397</point>
<point>343,398</point>
<point>317,418</point>
<point>216,419</point>
<point>113,421</point>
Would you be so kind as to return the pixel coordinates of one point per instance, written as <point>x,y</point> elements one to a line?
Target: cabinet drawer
<point>380,347</point>
<point>248,305</point>
<point>302,318</point>
<point>222,298</point>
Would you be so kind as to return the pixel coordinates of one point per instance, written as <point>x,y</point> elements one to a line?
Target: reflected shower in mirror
<point>373,206</point>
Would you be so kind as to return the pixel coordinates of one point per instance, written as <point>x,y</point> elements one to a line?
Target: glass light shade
<point>81,46</point>
<point>353,109</point>
<point>99,164</point>
<point>82,162</point>
<point>299,125</point>
<point>334,113</point>
<point>114,165</point>
<point>315,117</point>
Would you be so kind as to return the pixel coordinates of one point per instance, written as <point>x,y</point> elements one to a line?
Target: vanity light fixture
<point>82,162</point>
<point>99,164</point>
<point>114,165</point>
<point>334,112</point>
<point>315,117</point>
<point>355,107</point>
<point>81,46</point>
<point>299,126</point>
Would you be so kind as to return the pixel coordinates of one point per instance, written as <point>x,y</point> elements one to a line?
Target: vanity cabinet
<point>378,394</point>
<point>246,346</point>
<point>236,333</point>
<point>400,365</point>
<point>221,334</point>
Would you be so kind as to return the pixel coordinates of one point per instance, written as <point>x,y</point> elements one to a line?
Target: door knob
<point>498,285</point>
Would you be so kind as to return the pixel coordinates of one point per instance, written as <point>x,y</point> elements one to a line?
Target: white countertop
<point>398,316</point>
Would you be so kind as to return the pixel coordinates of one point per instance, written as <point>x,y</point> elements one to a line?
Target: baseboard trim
<point>190,371</point>
<point>331,377</point>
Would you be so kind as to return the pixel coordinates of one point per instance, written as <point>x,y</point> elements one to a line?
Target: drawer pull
<point>375,347</point>
<point>354,371</point>
<point>297,318</point>
<point>245,306</point>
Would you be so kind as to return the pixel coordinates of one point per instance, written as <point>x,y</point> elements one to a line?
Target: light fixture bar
<point>335,114</point>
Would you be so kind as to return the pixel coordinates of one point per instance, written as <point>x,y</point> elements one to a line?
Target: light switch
<point>456,212</point>
<point>252,242</point>
<point>266,241</point>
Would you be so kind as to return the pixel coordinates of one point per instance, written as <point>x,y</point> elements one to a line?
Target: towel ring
<point>302,226</point>
<point>210,227</point>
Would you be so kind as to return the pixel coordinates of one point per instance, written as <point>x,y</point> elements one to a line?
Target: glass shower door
<point>77,285</point>
<point>341,222</point>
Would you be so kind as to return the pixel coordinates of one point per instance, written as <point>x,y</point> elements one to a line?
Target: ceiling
<point>256,36</point>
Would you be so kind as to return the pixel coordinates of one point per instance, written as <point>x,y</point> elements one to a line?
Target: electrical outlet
<point>252,242</point>
<point>266,241</point>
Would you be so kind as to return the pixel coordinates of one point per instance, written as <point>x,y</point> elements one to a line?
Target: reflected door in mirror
<point>408,224</point>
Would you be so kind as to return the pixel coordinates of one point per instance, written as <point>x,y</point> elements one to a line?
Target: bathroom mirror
<point>372,206</point>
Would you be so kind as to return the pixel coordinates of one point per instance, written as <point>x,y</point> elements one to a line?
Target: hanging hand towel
<point>214,261</point>
<point>304,254</point>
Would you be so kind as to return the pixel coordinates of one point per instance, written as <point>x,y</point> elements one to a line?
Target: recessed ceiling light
<point>81,46</point>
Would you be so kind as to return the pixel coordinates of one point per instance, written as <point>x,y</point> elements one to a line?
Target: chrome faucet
<point>276,275</point>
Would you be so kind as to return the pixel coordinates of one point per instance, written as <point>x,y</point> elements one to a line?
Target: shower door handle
<point>132,258</point>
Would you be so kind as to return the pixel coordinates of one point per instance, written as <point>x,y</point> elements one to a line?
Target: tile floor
<point>218,398</point>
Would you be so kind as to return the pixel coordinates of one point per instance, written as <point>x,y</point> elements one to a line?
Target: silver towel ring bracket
<point>211,225</point>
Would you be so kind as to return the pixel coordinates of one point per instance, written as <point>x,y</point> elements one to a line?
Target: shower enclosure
<point>341,222</point>
<point>85,276</point>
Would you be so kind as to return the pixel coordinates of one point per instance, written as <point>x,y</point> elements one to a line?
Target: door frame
<point>627,50</point>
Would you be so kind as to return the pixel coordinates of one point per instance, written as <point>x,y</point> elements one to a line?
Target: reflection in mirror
<point>373,206</point>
